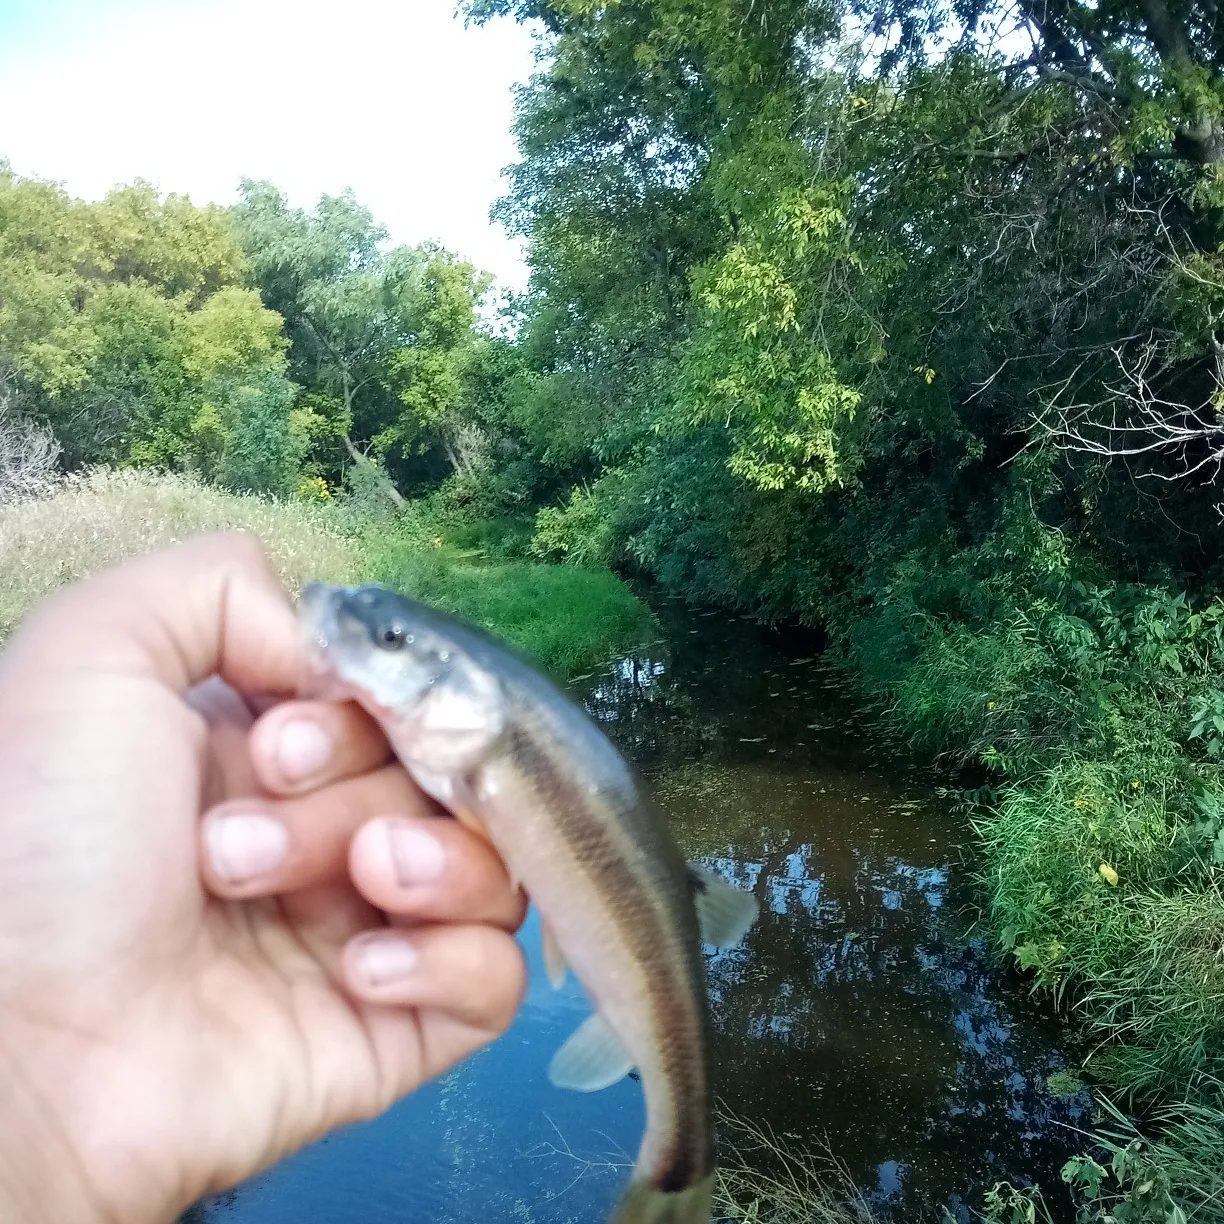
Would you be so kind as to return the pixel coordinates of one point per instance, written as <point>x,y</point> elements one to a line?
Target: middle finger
<point>378,832</point>
<point>261,846</point>
<point>432,869</point>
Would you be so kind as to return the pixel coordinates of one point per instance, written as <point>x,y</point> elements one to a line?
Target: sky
<point>394,98</point>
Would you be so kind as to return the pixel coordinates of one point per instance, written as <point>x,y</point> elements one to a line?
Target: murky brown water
<point>861,1007</point>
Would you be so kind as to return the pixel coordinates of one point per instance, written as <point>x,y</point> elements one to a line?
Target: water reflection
<point>860,1005</point>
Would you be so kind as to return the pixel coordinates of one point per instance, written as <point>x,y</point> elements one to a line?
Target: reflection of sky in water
<point>888,1025</point>
<point>889,1177</point>
<point>857,1007</point>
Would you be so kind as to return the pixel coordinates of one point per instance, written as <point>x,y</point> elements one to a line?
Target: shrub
<point>565,617</point>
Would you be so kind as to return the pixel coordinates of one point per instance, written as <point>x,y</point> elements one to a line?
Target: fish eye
<point>391,637</point>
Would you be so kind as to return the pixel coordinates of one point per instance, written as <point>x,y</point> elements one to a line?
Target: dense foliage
<point>381,340</point>
<point>263,348</point>
<point>128,328</point>
<point>903,319</point>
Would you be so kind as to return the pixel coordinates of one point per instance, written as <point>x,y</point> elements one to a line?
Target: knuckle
<point>500,971</point>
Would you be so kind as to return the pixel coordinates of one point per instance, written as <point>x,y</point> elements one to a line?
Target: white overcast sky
<point>394,98</point>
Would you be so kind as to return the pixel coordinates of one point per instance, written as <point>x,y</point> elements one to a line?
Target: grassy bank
<point>567,619</point>
<point>1096,709</point>
<point>89,522</point>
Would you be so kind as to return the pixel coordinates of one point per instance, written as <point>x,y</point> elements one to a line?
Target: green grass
<point>566,618</point>
<point>1096,886</point>
<point>1184,1165</point>
<point>505,539</point>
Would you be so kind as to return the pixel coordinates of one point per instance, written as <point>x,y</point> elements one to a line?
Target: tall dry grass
<point>88,522</point>
<point>763,1179</point>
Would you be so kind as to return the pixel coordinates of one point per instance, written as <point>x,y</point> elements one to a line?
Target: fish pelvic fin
<point>644,1203</point>
<point>591,1060</point>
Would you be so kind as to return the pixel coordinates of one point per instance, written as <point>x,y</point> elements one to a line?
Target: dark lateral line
<point>689,1157</point>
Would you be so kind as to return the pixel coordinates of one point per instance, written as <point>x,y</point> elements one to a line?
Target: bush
<point>29,455</point>
<point>263,455</point>
<point>1098,885</point>
<point>1092,705</point>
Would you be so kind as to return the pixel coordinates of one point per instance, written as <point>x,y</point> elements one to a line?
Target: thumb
<point>211,605</point>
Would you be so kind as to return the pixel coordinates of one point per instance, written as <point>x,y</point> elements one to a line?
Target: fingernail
<point>382,960</point>
<point>244,847</point>
<point>302,749</point>
<point>416,856</point>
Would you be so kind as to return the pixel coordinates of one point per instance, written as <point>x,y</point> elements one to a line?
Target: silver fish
<point>510,755</point>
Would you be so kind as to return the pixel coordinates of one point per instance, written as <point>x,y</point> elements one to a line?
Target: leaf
<point>1217,850</point>
<point>1028,956</point>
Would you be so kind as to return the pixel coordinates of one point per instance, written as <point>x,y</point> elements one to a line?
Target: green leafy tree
<point>124,325</point>
<point>377,335</point>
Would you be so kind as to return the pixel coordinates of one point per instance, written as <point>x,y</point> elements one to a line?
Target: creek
<point>864,1008</point>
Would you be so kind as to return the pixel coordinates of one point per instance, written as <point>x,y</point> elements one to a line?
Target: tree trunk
<point>384,481</point>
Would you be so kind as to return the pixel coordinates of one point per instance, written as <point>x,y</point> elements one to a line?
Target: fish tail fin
<point>644,1203</point>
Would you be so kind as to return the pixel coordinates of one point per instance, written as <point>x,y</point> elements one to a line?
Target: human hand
<point>219,938</point>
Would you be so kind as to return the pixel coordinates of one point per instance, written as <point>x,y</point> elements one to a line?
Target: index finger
<point>211,605</point>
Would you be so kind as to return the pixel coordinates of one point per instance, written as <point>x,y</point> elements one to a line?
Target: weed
<point>565,617</point>
<point>766,1180</point>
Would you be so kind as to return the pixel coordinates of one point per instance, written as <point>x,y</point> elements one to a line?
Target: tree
<point>125,328</point>
<point>377,335</point>
<point>849,269</point>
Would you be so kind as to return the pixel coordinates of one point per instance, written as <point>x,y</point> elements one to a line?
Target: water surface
<point>862,1007</point>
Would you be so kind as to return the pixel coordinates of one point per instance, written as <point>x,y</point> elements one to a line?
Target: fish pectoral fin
<point>554,958</point>
<point>465,808</point>
<point>454,793</point>
<point>593,1058</point>
<point>724,912</point>
<point>469,818</point>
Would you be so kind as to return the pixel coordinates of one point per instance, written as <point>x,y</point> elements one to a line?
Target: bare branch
<point>1140,413</point>
<point>385,483</point>
<point>1141,421</point>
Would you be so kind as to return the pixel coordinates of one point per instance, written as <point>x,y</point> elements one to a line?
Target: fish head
<point>402,661</point>
<point>369,640</point>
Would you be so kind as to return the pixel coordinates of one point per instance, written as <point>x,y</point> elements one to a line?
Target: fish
<point>511,756</point>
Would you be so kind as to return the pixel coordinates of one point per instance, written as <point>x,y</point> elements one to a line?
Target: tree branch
<point>385,482</point>
<point>1168,35</point>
